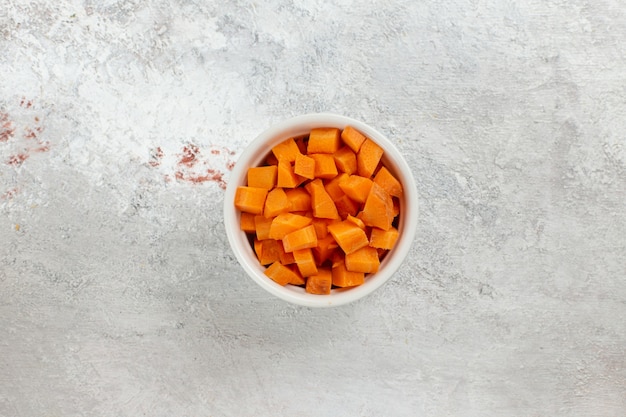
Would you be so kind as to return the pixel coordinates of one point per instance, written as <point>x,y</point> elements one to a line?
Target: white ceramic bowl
<point>255,154</point>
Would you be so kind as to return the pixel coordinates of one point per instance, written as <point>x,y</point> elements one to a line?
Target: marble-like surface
<point>119,294</point>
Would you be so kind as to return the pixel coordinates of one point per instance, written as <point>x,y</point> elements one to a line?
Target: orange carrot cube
<point>353,138</point>
<point>320,283</point>
<point>324,140</point>
<point>368,157</point>
<point>280,273</point>
<point>324,165</point>
<point>262,177</point>
<point>363,260</point>
<point>250,199</point>
<point>300,239</point>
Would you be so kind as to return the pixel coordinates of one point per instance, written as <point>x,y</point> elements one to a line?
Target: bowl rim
<point>255,152</point>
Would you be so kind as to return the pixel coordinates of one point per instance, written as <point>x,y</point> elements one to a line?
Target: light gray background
<point>119,294</point>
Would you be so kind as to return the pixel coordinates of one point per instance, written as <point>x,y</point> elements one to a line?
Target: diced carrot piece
<point>383,239</point>
<point>286,223</point>
<point>276,203</point>
<point>304,166</point>
<point>262,225</point>
<point>363,260</point>
<point>348,236</point>
<point>324,165</point>
<point>345,160</point>
<point>321,227</point>
<point>353,138</point>
<point>262,177</point>
<point>270,251</point>
<point>299,199</point>
<point>385,179</point>
<point>320,283</point>
<point>378,208</point>
<point>305,262</point>
<point>346,206</point>
<point>322,204</point>
<point>368,157</point>
<point>344,278</point>
<point>284,257</point>
<point>325,248</point>
<point>300,239</point>
<point>324,140</point>
<point>356,187</point>
<point>246,222</point>
<point>250,199</point>
<point>280,273</point>
<point>332,186</point>
<point>286,150</point>
<point>356,221</point>
<point>298,280</point>
<point>286,177</point>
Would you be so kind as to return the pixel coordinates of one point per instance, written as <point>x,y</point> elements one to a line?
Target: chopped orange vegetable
<point>246,222</point>
<point>368,157</point>
<point>344,278</point>
<point>348,236</point>
<point>321,210</point>
<point>332,186</point>
<point>353,138</point>
<point>346,206</point>
<point>299,199</point>
<point>356,221</point>
<point>262,177</point>
<point>305,262</point>
<point>324,165</point>
<point>286,223</point>
<point>304,166</point>
<point>363,260</point>
<point>325,248</point>
<point>385,179</point>
<point>286,150</point>
<point>322,204</point>
<point>250,199</point>
<point>298,279</point>
<point>324,140</point>
<point>276,203</point>
<point>262,225</point>
<point>286,177</point>
<point>268,251</point>
<point>320,283</point>
<point>345,160</point>
<point>284,257</point>
<point>300,239</point>
<point>356,187</point>
<point>280,273</point>
<point>378,208</point>
<point>383,239</point>
<point>321,227</point>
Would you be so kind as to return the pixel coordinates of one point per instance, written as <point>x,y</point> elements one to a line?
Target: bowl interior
<point>255,154</point>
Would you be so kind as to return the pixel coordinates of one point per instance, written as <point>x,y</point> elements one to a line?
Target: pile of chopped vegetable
<point>322,211</point>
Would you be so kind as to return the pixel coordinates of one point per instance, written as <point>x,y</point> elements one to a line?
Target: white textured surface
<point>120,296</point>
